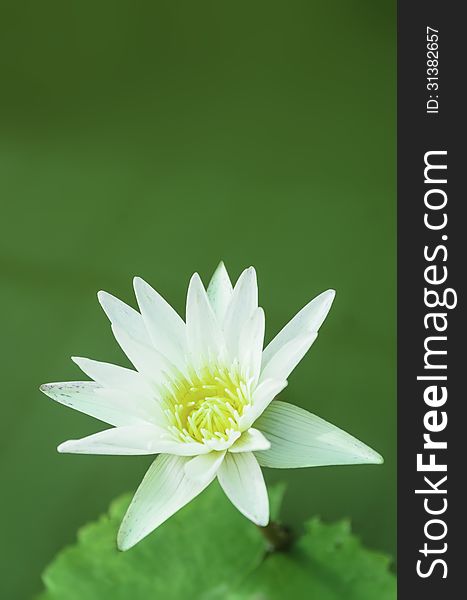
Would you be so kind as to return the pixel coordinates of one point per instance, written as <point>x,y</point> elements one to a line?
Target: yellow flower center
<point>206,404</point>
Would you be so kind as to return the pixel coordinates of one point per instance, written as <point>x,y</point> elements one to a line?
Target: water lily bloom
<point>202,397</point>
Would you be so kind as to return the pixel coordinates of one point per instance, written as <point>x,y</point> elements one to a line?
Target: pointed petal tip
<point>107,301</point>
<point>377,458</point>
<point>196,286</point>
<point>122,542</point>
<point>81,362</point>
<point>126,538</point>
<point>262,522</point>
<point>328,296</point>
<point>138,282</point>
<point>64,447</point>
<point>221,272</point>
<point>249,272</point>
<point>50,390</point>
<point>370,456</point>
<point>141,286</point>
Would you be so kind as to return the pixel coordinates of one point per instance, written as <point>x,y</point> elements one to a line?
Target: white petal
<point>263,395</point>
<point>135,439</point>
<point>251,345</point>
<point>220,292</point>
<point>113,376</point>
<point>251,441</point>
<point>204,337</point>
<point>144,408</point>
<point>140,439</point>
<point>116,408</point>
<point>204,468</point>
<point>164,490</point>
<point>244,302</point>
<point>165,327</point>
<point>287,357</point>
<point>307,320</point>
<point>300,439</point>
<point>146,359</point>
<point>241,479</point>
<point>129,330</point>
<point>124,317</point>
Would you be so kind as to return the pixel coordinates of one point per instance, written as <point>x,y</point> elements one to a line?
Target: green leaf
<point>201,552</point>
<point>209,551</point>
<point>326,563</point>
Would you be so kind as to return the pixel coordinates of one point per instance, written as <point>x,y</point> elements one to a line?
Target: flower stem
<point>279,537</point>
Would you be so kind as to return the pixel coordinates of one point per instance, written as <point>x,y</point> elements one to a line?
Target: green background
<point>154,139</point>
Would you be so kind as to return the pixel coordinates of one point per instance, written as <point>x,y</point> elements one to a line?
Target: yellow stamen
<point>207,404</point>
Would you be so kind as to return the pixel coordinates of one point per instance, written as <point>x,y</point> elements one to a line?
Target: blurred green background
<point>155,138</point>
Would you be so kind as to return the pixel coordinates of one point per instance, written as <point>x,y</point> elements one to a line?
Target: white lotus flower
<point>202,398</point>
